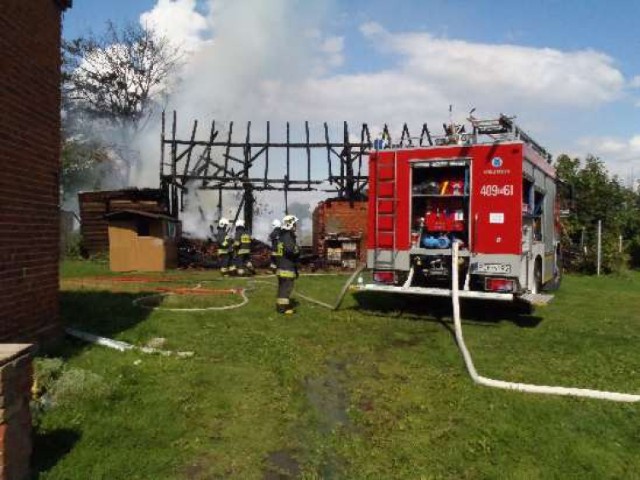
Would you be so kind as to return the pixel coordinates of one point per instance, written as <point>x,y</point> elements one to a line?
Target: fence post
<point>599,245</point>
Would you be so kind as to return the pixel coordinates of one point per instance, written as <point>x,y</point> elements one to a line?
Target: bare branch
<point>121,76</point>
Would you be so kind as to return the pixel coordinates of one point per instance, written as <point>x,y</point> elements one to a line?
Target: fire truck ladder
<point>385,215</point>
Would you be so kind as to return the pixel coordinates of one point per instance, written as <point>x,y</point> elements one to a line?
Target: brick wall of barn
<point>29,162</point>
<point>339,217</point>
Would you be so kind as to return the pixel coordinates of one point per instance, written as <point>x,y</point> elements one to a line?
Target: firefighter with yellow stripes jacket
<point>242,250</point>
<point>274,238</point>
<point>225,247</point>
<point>287,255</point>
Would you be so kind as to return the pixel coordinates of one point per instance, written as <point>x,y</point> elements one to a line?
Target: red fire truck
<point>492,190</point>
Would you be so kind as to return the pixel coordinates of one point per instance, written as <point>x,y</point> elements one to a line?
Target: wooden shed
<point>94,206</point>
<point>142,241</point>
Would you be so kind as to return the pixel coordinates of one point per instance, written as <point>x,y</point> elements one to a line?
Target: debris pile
<point>199,253</point>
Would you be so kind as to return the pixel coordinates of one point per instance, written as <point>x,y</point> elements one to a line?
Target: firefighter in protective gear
<point>242,249</point>
<point>288,253</point>
<point>225,246</point>
<point>274,237</point>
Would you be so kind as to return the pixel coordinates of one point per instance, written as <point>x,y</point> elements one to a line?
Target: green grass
<point>355,393</point>
<point>83,268</point>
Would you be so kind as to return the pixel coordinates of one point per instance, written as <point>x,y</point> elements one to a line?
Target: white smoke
<point>179,21</point>
<point>240,57</point>
<point>238,50</point>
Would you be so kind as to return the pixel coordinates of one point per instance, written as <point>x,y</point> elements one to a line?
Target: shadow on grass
<point>51,447</point>
<point>439,309</point>
<point>99,312</point>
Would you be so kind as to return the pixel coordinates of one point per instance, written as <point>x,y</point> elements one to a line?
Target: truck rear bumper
<point>437,292</point>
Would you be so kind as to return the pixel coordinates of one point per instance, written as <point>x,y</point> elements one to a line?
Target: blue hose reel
<point>429,241</point>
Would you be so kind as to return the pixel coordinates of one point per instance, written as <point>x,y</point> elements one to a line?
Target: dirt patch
<point>281,466</point>
<point>410,341</point>
<point>194,471</point>
<point>328,396</point>
<point>366,405</point>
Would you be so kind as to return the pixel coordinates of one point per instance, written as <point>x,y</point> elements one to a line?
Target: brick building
<point>340,232</point>
<point>29,160</point>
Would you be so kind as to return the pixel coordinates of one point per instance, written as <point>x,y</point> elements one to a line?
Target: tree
<point>597,196</point>
<point>86,165</point>
<point>119,77</point>
<point>112,85</point>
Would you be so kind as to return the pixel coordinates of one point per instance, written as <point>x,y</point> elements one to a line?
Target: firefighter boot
<point>283,305</point>
<point>250,269</point>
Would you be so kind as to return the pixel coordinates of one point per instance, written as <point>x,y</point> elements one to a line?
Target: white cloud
<point>333,47</point>
<point>503,73</point>
<point>635,82</point>
<point>179,21</point>
<point>369,29</point>
<point>268,58</point>
<point>622,155</point>
<point>611,145</point>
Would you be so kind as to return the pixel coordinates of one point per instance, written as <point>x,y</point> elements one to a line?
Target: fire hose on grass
<point>123,346</point>
<point>520,387</point>
<point>243,293</point>
<point>232,291</point>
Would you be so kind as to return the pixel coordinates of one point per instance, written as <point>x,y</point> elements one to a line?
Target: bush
<point>72,249</point>
<point>45,372</point>
<point>75,385</point>
<point>56,384</point>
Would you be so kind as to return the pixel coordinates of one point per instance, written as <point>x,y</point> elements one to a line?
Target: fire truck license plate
<point>494,268</point>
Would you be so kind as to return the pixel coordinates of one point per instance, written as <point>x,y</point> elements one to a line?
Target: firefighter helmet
<point>289,222</point>
<point>276,223</point>
<point>223,223</point>
<point>240,223</point>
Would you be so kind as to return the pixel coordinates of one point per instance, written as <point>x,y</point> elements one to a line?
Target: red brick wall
<point>16,377</point>
<point>29,166</point>
<point>339,217</point>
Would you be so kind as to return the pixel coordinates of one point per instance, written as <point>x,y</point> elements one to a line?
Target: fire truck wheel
<point>537,277</point>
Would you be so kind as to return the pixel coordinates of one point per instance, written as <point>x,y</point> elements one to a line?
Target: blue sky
<point>376,47</point>
<point>610,27</point>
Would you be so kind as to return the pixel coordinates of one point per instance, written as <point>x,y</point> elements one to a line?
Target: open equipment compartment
<point>440,202</point>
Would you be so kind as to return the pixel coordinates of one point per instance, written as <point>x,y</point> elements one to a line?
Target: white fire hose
<point>250,286</point>
<point>521,387</point>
